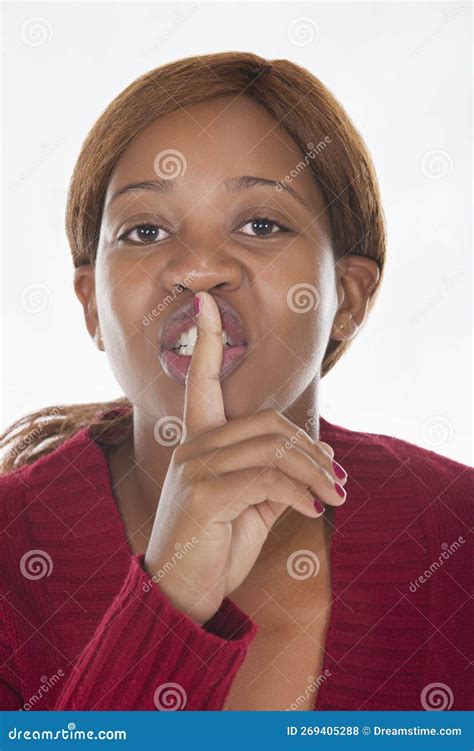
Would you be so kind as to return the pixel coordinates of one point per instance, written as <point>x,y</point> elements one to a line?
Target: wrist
<point>173,591</point>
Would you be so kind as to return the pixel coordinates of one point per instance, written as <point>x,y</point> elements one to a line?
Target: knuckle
<point>191,468</point>
<point>322,478</point>
<point>269,416</point>
<point>180,453</point>
<point>272,442</point>
<point>197,491</point>
<point>327,448</point>
<point>319,471</point>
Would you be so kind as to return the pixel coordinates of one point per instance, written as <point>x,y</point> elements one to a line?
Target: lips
<point>176,366</point>
<point>184,317</point>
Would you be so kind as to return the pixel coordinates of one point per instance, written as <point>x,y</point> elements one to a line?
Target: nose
<point>189,270</point>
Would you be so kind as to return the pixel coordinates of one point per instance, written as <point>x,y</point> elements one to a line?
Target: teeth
<point>186,351</point>
<point>187,339</point>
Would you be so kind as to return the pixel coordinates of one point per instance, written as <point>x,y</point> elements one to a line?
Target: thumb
<point>203,399</point>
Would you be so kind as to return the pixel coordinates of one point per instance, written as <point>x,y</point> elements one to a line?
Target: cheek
<point>124,294</point>
<point>302,294</point>
<point>309,318</point>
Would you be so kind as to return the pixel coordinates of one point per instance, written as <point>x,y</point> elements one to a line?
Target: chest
<point>283,668</point>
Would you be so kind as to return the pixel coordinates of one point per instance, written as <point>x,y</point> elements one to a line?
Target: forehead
<point>216,139</point>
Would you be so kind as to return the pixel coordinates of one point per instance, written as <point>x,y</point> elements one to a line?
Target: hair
<point>302,105</point>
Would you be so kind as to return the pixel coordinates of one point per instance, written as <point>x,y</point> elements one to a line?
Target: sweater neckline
<point>328,433</point>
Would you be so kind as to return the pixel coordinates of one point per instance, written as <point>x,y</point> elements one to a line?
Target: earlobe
<point>345,326</point>
<point>98,340</point>
<point>358,281</point>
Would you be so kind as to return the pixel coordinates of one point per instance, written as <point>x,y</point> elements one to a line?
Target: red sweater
<point>79,630</point>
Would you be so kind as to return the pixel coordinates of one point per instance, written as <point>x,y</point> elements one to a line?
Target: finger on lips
<point>295,451</point>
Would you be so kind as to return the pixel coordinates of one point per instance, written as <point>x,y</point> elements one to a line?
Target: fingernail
<point>318,505</point>
<point>197,305</point>
<point>339,471</point>
<point>340,490</point>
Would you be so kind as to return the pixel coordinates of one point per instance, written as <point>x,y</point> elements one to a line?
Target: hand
<point>225,486</point>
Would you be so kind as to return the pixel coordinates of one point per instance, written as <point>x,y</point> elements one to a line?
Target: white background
<point>402,72</point>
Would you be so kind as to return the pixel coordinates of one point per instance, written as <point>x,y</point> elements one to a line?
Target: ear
<point>357,279</point>
<point>84,286</point>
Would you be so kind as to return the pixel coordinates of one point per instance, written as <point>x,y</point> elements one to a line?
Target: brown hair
<point>301,104</point>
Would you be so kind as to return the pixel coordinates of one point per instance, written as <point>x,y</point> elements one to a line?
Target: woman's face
<point>200,229</point>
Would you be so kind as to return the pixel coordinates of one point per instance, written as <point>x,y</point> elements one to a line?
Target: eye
<point>264,227</point>
<point>146,234</point>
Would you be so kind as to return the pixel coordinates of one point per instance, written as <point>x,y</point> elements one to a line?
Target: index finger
<point>203,400</point>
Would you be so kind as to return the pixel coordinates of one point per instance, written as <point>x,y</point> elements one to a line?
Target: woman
<point>197,544</point>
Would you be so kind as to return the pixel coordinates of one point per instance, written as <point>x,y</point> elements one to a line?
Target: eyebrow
<point>232,185</point>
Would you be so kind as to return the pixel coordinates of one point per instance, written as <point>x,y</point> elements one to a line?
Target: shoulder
<point>13,525</point>
<point>408,509</point>
<point>440,474</point>
<point>16,483</point>
<point>434,471</point>
<point>389,473</point>
<point>28,495</point>
<point>13,493</point>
